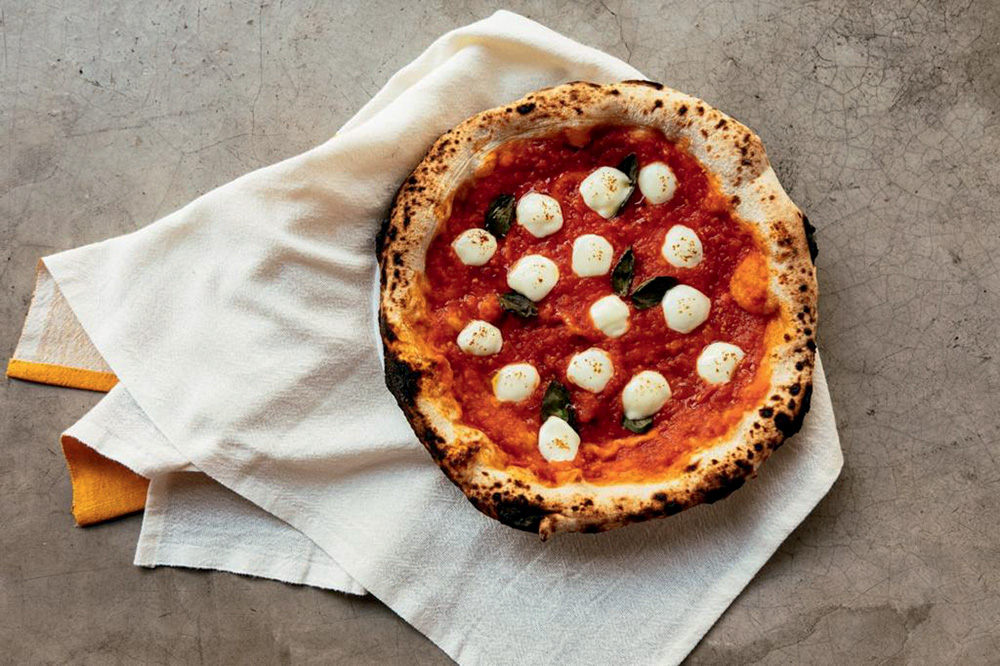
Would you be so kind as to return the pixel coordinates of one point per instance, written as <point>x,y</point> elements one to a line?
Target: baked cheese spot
<point>645,394</point>
<point>718,361</point>
<point>591,370</point>
<point>605,190</point>
<point>540,214</point>
<point>557,441</point>
<point>592,255</point>
<point>610,316</point>
<point>749,285</point>
<point>657,183</point>
<point>682,247</point>
<point>685,308</point>
<point>534,276</point>
<point>480,338</point>
<point>515,382</point>
<point>474,247</point>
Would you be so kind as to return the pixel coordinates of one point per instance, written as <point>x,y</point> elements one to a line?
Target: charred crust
<point>402,379</point>
<point>639,82</point>
<point>810,232</point>
<point>518,512</point>
<point>722,486</point>
<point>790,424</point>
<point>525,109</point>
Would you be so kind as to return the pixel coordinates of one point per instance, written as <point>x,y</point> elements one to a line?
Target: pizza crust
<point>736,158</point>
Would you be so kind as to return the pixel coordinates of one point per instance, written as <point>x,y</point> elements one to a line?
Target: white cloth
<point>243,327</point>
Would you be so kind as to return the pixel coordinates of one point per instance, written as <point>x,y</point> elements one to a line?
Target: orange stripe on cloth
<point>102,488</point>
<point>61,375</point>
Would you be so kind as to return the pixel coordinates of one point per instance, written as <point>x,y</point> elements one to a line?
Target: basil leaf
<point>621,276</point>
<point>651,292</point>
<point>518,304</point>
<point>500,215</point>
<point>638,426</point>
<point>630,167</point>
<point>556,402</point>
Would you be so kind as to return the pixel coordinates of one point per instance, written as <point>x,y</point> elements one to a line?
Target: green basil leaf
<point>518,304</point>
<point>630,167</point>
<point>621,276</point>
<point>651,292</point>
<point>638,426</point>
<point>500,215</point>
<point>556,402</point>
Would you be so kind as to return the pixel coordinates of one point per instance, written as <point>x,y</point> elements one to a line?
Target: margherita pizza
<point>598,306</point>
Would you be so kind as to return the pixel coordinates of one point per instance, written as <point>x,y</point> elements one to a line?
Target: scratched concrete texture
<point>881,120</point>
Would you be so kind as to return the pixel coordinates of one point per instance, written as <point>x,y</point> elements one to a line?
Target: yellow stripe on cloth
<point>61,375</point>
<point>102,488</point>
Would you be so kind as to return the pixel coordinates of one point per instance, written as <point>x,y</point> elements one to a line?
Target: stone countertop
<point>881,121</point>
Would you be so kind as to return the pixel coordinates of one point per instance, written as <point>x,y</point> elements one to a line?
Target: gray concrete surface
<point>881,119</point>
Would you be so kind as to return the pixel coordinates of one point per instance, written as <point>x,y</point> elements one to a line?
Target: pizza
<point>598,306</point>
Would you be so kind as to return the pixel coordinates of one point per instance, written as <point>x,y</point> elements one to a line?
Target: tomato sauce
<point>456,294</point>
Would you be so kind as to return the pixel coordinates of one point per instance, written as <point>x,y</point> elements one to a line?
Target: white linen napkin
<point>242,327</point>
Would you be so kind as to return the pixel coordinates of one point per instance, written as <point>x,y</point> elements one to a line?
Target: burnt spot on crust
<point>402,379</point>
<point>810,238</point>
<point>723,485</point>
<point>682,110</point>
<point>525,109</point>
<point>517,512</point>
<point>652,84</point>
<point>789,425</point>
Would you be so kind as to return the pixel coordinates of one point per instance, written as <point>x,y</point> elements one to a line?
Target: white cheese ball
<point>540,214</point>
<point>605,190</point>
<point>685,308</point>
<point>474,247</point>
<point>515,382</point>
<point>610,316</point>
<point>592,255</point>
<point>480,338</point>
<point>645,394</point>
<point>717,362</point>
<point>557,441</point>
<point>534,276</point>
<point>591,370</point>
<point>657,183</point>
<point>682,247</point>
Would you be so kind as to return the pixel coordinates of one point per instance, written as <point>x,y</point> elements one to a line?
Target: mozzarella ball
<point>474,247</point>
<point>657,183</point>
<point>718,361</point>
<point>645,394</point>
<point>557,441</point>
<point>605,190</point>
<point>540,214</point>
<point>534,276</point>
<point>610,316</point>
<point>685,308</point>
<point>592,255</point>
<point>480,338</point>
<point>682,247</point>
<point>515,382</point>
<point>591,370</point>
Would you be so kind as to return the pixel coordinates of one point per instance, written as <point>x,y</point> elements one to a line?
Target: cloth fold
<point>242,329</point>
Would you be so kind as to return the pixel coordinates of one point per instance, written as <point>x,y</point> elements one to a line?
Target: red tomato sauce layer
<point>457,294</point>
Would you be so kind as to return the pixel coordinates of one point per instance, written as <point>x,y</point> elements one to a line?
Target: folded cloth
<point>243,327</point>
